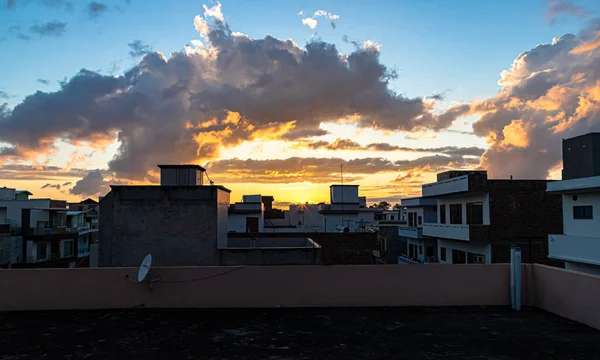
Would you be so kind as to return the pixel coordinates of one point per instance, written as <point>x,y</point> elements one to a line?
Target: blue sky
<point>434,45</point>
<point>458,48</point>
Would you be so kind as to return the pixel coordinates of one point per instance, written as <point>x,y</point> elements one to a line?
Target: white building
<point>246,216</point>
<point>342,214</point>
<point>579,244</point>
<point>418,248</point>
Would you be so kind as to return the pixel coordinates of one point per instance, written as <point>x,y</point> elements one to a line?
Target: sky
<point>275,97</point>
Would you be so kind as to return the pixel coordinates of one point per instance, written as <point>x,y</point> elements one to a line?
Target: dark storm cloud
<point>95,9</point>
<point>138,48</point>
<point>230,89</point>
<point>52,28</point>
<point>347,144</point>
<point>323,170</point>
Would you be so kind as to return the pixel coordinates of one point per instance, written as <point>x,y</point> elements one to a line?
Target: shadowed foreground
<point>326,333</point>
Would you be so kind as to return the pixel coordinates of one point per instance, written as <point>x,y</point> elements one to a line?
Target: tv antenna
<point>209,180</point>
<point>144,272</point>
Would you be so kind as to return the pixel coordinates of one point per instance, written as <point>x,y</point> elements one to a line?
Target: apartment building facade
<point>478,219</point>
<point>418,211</point>
<point>579,243</point>
<point>35,232</point>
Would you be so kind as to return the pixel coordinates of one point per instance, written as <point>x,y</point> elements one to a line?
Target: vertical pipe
<point>512,276</point>
<point>518,279</point>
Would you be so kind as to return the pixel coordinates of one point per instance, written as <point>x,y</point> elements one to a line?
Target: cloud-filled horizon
<point>269,111</point>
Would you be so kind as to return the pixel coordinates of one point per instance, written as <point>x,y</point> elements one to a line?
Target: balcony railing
<point>457,231</point>
<point>411,232</point>
<point>452,185</point>
<point>53,231</point>
<point>574,248</point>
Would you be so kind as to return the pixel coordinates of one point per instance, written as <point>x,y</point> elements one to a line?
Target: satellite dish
<point>145,268</point>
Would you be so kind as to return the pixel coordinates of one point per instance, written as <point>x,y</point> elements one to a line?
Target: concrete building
<point>91,209</point>
<point>579,243</point>
<point>285,250</point>
<point>35,231</point>
<point>246,216</point>
<point>478,219</point>
<point>342,214</point>
<point>180,224</point>
<point>416,246</point>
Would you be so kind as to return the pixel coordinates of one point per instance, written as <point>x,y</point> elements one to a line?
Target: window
<point>443,253</point>
<point>41,251</point>
<point>459,257</point>
<point>475,213</point>
<point>430,251</point>
<point>443,214</point>
<point>583,212</point>
<point>475,258</point>
<point>67,249</point>
<point>456,214</point>
<point>392,217</point>
<point>420,250</point>
<point>420,220</point>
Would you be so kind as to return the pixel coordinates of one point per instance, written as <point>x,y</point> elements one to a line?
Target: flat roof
<point>182,166</point>
<point>171,186</point>
<point>23,191</point>
<point>591,183</point>
<point>304,333</point>
<point>345,185</point>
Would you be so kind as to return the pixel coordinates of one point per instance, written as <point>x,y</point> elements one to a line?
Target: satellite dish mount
<point>144,273</point>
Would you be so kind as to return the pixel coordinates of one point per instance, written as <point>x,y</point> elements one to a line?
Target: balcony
<point>52,231</point>
<point>453,185</point>
<point>574,248</point>
<point>410,232</point>
<point>83,251</point>
<point>457,231</point>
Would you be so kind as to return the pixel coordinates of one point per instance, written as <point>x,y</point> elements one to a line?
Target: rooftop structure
<point>181,175</point>
<point>180,222</point>
<point>581,156</point>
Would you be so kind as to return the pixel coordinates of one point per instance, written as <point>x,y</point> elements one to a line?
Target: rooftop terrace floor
<point>326,333</point>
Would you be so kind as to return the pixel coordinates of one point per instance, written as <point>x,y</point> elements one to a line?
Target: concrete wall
<point>179,226</point>
<point>581,227</point>
<point>569,294</point>
<point>270,256</point>
<point>332,221</point>
<point>258,286</point>
<point>236,222</point>
<point>395,244</point>
<point>310,217</point>
<point>11,250</point>
<point>337,248</point>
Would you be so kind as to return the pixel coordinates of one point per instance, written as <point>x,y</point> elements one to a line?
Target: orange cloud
<point>587,46</point>
<point>515,134</point>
